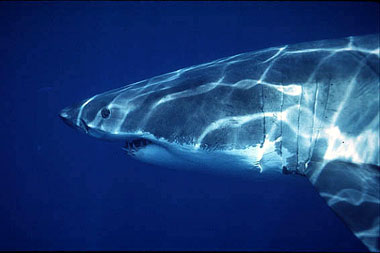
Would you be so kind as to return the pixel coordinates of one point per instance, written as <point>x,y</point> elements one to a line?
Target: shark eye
<point>105,113</point>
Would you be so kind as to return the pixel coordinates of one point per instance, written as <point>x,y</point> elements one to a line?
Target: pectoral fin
<point>352,191</point>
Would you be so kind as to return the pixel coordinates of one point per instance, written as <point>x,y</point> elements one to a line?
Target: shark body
<point>310,108</point>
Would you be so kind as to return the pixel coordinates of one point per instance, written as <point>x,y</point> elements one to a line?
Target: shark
<point>310,109</point>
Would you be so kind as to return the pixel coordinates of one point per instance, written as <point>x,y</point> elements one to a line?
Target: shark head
<point>191,115</point>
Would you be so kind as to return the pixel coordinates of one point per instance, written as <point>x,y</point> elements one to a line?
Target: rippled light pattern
<point>310,108</point>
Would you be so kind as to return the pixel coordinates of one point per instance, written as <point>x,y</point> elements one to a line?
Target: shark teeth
<point>131,147</point>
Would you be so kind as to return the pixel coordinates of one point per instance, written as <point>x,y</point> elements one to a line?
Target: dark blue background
<point>60,189</point>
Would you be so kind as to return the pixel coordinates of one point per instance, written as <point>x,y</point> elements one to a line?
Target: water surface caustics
<point>310,108</point>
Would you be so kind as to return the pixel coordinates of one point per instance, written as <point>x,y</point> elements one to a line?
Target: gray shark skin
<point>310,108</point>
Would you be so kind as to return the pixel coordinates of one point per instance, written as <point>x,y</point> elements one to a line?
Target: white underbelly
<point>230,161</point>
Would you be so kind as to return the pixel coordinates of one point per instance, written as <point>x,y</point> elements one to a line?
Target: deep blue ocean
<point>63,190</point>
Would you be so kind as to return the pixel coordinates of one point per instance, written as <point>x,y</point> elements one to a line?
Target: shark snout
<point>63,115</point>
<point>69,116</point>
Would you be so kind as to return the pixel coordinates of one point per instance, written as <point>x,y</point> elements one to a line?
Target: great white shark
<point>310,109</point>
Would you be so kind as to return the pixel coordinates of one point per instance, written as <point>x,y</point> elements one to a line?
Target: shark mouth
<point>131,147</point>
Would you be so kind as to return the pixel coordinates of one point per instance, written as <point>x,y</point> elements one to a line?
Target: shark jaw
<point>257,159</point>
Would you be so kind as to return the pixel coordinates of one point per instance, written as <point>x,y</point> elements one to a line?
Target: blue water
<point>60,189</point>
